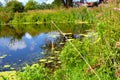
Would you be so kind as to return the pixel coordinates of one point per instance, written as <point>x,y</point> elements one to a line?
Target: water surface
<point>23,44</point>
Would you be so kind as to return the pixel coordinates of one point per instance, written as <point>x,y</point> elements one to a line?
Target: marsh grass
<point>101,54</point>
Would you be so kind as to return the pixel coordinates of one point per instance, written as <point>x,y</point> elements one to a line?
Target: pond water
<point>23,44</point>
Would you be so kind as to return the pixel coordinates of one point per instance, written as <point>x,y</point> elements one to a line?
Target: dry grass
<point>42,11</point>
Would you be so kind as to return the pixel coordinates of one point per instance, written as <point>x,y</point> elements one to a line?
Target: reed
<point>98,58</point>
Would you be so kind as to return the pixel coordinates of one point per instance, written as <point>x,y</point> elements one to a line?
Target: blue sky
<point>24,1</point>
<point>47,1</point>
<point>88,0</point>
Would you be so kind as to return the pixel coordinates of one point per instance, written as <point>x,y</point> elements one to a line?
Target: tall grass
<point>101,53</point>
<point>58,16</point>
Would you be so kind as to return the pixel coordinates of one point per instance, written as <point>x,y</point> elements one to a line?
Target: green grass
<point>8,75</point>
<point>99,55</point>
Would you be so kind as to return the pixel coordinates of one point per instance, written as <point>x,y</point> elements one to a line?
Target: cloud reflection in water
<point>28,36</point>
<point>16,44</point>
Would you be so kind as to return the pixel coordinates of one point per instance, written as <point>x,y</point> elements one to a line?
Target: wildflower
<point>118,9</point>
<point>117,45</point>
<point>117,72</point>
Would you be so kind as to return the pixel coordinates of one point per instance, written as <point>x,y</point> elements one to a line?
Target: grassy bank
<point>95,59</point>
<point>88,59</point>
<point>59,16</point>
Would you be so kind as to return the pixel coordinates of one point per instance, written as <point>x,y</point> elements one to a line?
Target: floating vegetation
<point>3,56</point>
<point>62,43</point>
<point>95,57</point>
<point>42,60</point>
<point>49,61</point>
<point>52,58</point>
<point>70,39</point>
<point>6,66</point>
<point>12,68</point>
<point>56,51</point>
<point>53,34</point>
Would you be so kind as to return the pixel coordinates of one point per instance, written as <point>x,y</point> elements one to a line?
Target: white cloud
<point>17,45</point>
<point>28,36</point>
<point>48,1</point>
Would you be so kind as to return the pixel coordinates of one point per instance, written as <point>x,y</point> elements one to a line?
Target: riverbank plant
<point>88,59</point>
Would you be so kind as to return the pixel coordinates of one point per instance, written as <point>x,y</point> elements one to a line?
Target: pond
<point>23,44</point>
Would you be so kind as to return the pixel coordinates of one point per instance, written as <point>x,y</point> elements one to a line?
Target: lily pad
<point>3,56</point>
<point>6,66</point>
<point>52,57</point>
<point>50,61</point>
<point>70,39</point>
<point>43,60</point>
<point>12,68</point>
<point>56,51</point>
<point>59,62</point>
<point>62,43</point>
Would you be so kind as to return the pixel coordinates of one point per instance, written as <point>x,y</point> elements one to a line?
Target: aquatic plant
<point>92,60</point>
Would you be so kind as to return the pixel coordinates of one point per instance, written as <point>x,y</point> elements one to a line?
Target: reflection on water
<point>22,44</point>
<point>25,50</point>
<point>16,44</point>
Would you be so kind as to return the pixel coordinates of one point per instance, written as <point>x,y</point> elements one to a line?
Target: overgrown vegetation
<point>96,59</point>
<point>101,53</point>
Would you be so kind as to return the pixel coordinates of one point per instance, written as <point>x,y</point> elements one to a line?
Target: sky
<point>25,1</point>
<point>88,0</point>
<point>47,1</point>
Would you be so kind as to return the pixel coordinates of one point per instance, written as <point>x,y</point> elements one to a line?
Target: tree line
<point>16,6</point>
<point>12,8</point>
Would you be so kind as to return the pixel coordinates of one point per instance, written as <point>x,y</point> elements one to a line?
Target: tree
<point>31,5</point>
<point>6,1</point>
<point>66,3</point>
<point>45,6</point>
<point>1,4</point>
<point>57,3</point>
<point>15,6</point>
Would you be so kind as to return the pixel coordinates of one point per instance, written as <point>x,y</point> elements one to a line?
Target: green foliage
<point>31,5</point>
<point>15,6</point>
<point>69,56</point>
<point>65,16</point>
<point>57,3</point>
<point>43,6</point>
<point>34,72</point>
<point>18,18</point>
<point>80,57</point>
<point>5,17</point>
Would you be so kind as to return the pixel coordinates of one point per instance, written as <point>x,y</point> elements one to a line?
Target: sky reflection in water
<point>26,50</point>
